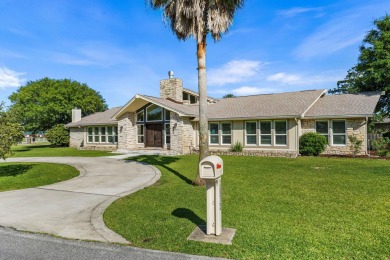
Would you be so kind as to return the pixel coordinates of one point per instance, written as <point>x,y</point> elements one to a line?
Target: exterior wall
<point>172,88</point>
<point>238,135</point>
<point>127,132</point>
<point>76,137</point>
<point>355,126</point>
<point>182,133</point>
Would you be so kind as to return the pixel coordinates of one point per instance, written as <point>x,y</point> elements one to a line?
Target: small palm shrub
<point>356,144</point>
<point>382,146</point>
<point>312,144</point>
<point>237,147</point>
<point>58,135</point>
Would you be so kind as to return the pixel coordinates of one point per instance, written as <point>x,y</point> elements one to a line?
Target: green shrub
<point>382,146</point>
<point>312,144</point>
<point>237,147</point>
<point>58,135</point>
<point>356,144</point>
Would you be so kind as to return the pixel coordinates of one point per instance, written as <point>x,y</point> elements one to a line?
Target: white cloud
<point>342,30</point>
<point>234,71</point>
<point>297,11</point>
<point>98,54</point>
<point>10,78</point>
<point>300,79</point>
<point>246,90</point>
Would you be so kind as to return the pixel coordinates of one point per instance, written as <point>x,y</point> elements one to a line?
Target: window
<point>339,133</point>
<point>140,134</point>
<point>280,132</point>
<point>167,133</point>
<point>185,96</point>
<point>154,113</point>
<point>96,135</point>
<point>265,133</point>
<point>250,133</point>
<point>167,115</point>
<point>90,135</point>
<point>322,128</point>
<point>140,116</point>
<point>214,129</point>
<point>226,132</point>
<point>102,134</point>
<point>193,99</point>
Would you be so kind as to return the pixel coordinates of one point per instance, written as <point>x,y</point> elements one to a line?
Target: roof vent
<point>170,74</point>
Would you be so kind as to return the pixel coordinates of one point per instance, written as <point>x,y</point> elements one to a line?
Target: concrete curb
<point>97,220</point>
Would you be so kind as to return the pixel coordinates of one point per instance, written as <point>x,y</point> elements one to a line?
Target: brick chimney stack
<point>171,88</point>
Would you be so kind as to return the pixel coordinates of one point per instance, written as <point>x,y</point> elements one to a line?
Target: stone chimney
<point>171,88</point>
<point>76,115</point>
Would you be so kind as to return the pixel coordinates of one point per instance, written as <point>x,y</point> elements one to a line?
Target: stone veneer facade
<point>76,137</point>
<point>127,132</point>
<point>172,88</point>
<point>182,133</point>
<point>356,127</point>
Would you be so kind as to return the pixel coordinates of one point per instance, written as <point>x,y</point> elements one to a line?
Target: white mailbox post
<point>211,169</point>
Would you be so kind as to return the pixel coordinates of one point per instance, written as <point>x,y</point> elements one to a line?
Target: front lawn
<point>47,150</point>
<point>28,175</point>
<point>304,208</point>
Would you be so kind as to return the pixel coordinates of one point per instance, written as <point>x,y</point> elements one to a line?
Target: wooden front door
<point>154,135</point>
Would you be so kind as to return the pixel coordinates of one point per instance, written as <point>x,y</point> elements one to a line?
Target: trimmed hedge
<point>312,144</point>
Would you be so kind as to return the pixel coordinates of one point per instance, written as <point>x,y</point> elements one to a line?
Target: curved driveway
<point>74,208</point>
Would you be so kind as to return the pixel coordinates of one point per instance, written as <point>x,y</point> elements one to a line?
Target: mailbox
<point>211,167</point>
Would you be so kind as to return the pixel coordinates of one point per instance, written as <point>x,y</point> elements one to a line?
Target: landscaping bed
<point>28,175</point>
<point>304,208</point>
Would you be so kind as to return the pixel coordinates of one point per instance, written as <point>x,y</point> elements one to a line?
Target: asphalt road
<point>17,245</point>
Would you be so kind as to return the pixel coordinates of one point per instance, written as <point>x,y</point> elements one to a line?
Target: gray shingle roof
<point>99,118</point>
<point>361,104</point>
<point>289,104</point>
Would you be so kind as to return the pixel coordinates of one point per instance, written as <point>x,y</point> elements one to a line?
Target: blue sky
<point>121,48</point>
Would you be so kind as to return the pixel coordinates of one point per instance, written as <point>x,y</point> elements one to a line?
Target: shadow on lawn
<point>161,161</point>
<point>188,214</point>
<point>14,170</point>
<point>29,147</point>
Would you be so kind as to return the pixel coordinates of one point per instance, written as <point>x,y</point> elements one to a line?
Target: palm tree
<point>197,18</point>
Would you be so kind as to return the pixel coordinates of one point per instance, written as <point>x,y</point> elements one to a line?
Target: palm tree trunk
<point>202,88</point>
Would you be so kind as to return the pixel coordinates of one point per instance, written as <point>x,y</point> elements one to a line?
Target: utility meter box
<point>211,167</point>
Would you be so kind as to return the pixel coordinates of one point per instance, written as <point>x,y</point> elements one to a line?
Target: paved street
<point>26,246</point>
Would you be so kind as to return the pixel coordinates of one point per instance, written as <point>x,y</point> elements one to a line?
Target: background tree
<point>196,19</point>
<point>229,96</point>
<point>42,104</point>
<point>11,133</point>
<point>371,73</point>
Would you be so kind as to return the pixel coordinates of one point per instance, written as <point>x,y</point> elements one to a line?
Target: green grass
<point>304,208</point>
<point>28,175</point>
<point>47,150</point>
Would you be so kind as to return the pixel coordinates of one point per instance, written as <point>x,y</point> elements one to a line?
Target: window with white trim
<point>226,133</point>
<point>140,116</point>
<point>140,134</point>
<point>250,133</point>
<point>265,133</point>
<point>339,136</point>
<point>280,132</point>
<point>154,113</point>
<point>214,133</point>
<point>322,128</point>
<point>167,115</point>
<point>102,134</point>
<point>167,133</point>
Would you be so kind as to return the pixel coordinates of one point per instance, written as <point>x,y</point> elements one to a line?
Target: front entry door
<point>154,135</point>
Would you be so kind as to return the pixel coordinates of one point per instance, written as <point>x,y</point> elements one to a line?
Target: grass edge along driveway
<point>15,175</point>
<point>304,208</point>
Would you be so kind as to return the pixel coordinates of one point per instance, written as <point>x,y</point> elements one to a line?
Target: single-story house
<point>267,124</point>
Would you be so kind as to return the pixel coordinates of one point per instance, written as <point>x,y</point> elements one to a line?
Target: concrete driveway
<point>74,208</point>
